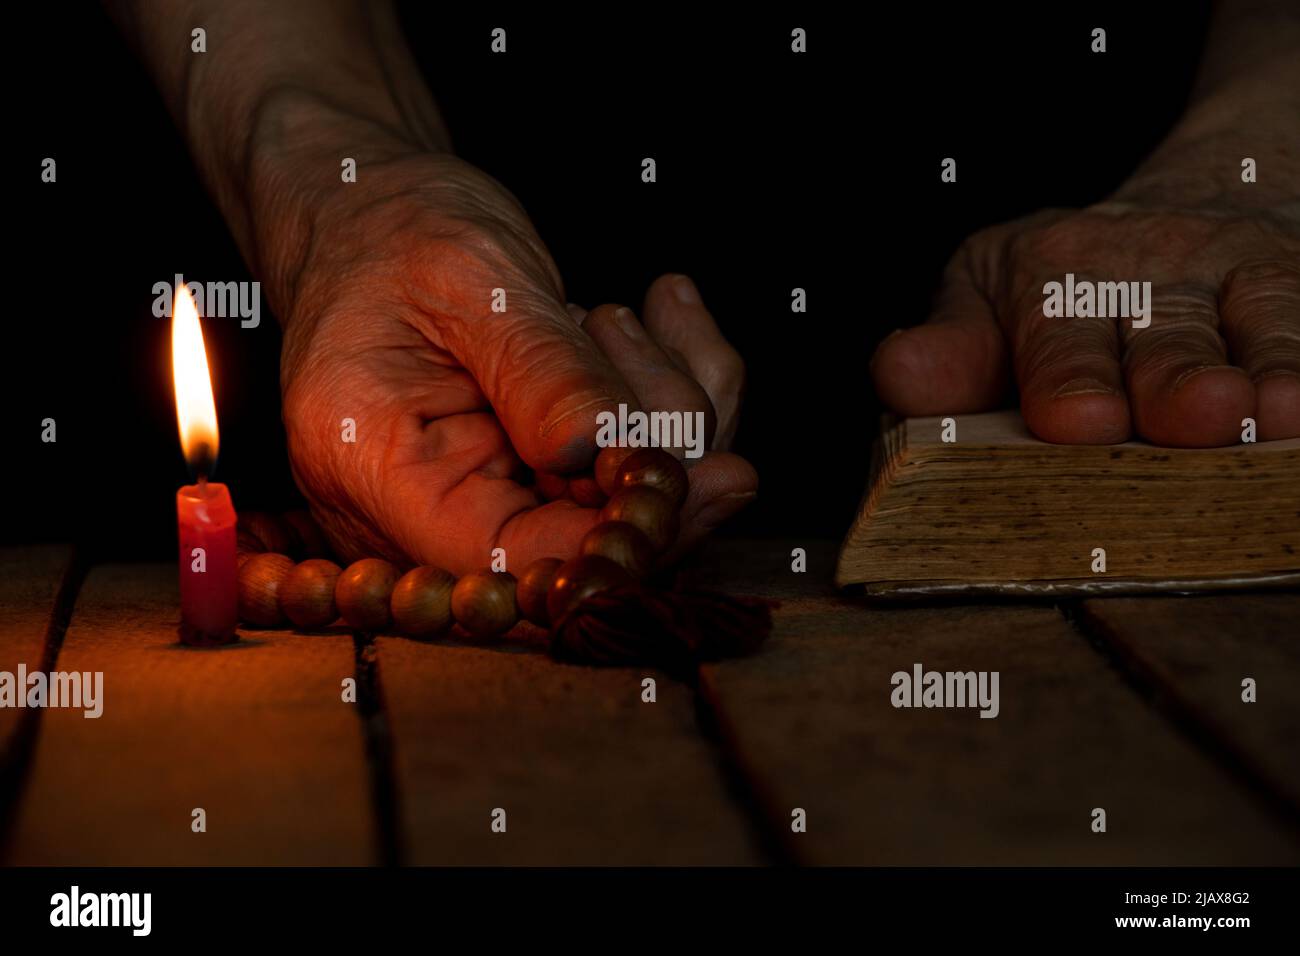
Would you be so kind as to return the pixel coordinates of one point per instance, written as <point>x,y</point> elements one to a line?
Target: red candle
<point>204,512</point>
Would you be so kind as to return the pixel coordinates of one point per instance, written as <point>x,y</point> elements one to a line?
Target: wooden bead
<point>307,594</point>
<point>579,578</point>
<point>608,463</point>
<point>550,487</point>
<point>483,603</point>
<point>533,587</point>
<point>311,539</point>
<point>651,511</point>
<point>586,492</point>
<point>269,529</point>
<point>655,468</point>
<point>624,544</point>
<point>260,578</point>
<point>421,601</point>
<point>362,593</point>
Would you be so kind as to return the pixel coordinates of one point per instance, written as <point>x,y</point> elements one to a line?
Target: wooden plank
<point>810,720</point>
<point>255,734</point>
<point>1197,651</point>
<point>30,579</point>
<point>586,772</point>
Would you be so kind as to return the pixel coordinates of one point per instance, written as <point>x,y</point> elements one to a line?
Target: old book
<point>997,511</point>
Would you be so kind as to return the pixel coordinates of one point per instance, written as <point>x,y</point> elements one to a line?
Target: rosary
<point>598,608</point>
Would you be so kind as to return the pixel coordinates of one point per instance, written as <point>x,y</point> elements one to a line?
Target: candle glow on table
<point>205,515</point>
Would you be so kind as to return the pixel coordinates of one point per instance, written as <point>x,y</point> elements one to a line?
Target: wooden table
<point>1132,705</point>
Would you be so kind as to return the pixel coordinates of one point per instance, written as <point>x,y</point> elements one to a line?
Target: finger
<point>448,498</point>
<point>1182,389</point>
<point>545,379</point>
<point>676,318</point>
<point>578,312</point>
<point>484,510</point>
<point>497,514</point>
<point>551,531</point>
<point>657,382</point>
<point>1068,373</point>
<point>721,485</point>
<point>955,362</point>
<point>1259,304</point>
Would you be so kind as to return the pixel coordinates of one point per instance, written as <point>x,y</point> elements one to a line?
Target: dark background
<point>774,171</point>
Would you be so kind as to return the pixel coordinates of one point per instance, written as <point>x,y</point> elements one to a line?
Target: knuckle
<point>1059,345</point>
<point>730,369</point>
<point>1262,278</point>
<point>1184,327</point>
<point>1049,241</point>
<point>1183,304</point>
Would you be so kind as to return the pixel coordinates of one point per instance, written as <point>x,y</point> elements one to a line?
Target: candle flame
<point>196,413</point>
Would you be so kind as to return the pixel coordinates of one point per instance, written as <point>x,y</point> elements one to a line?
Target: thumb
<point>956,361</point>
<point>544,377</point>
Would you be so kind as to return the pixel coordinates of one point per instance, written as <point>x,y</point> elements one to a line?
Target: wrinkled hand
<point>392,327</point>
<point>1223,343</point>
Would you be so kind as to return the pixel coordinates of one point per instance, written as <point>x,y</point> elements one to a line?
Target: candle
<point>204,512</point>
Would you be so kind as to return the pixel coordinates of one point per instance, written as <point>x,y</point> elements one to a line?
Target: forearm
<point>1245,104</point>
<point>284,92</point>
<point>1253,45</point>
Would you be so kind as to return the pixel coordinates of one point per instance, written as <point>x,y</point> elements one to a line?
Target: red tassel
<point>672,629</point>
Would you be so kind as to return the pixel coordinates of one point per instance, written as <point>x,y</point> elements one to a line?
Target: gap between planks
<point>390,841</point>
<point>130,612</point>
<point>1167,699</point>
<point>737,747</point>
<point>16,759</point>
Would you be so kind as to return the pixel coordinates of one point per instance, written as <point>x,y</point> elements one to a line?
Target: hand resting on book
<point>1209,225</point>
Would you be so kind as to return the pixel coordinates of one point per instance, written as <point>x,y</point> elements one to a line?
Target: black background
<point>774,171</point>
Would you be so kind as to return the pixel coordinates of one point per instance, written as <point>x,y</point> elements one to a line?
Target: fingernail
<point>1083,386</point>
<point>1191,373</point>
<point>720,509</point>
<point>685,291</point>
<point>578,405</point>
<point>1275,373</point>
<point>628,324</point>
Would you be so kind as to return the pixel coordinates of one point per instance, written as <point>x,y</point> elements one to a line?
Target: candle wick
<point>203,485</point>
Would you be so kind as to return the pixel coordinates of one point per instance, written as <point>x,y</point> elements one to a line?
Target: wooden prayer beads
<point>533,587</point>
<point>608,463</point>
<point>421,601</point>
<point>624,544</point>
<point>647,509</point>
<point>260,578</point>
<point>652,468</point>
<point>307,594</point>
<point>483,603</point>
<point>641,491</point>
<point>580,578</point>
<point>363,591</point>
